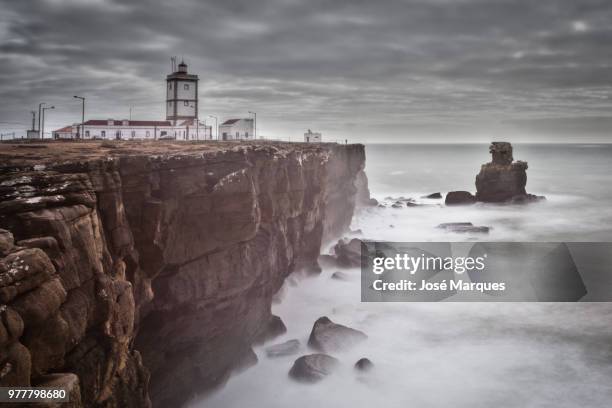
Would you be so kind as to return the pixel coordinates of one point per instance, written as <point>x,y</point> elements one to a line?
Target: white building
<point>237,129</point>
<point>310,137</point>
<point>136,129</point>
<point>181,117</point>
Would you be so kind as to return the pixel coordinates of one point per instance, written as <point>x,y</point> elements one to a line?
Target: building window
<point>246,135</point>
<point>148,133</point>
<point>170,86</point>
<point>186,87</point>
<point>133,133</point>
<point>186,103</point>
<point>87,133</point>
<point>103,133</point>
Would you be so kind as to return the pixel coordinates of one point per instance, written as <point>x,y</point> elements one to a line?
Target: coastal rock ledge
<point>141,273</point>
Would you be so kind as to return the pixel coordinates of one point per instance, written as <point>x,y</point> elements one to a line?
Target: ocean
<point>454,354</point>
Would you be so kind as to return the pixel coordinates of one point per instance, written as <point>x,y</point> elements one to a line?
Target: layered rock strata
<point>136,273</point>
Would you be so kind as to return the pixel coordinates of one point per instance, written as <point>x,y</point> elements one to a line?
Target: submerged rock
<point>283,349</point>
<point>459,198</point>
<point>340,276</point>
<point>364,364</point>
<point>464,227</point>
<point>313,367</point>
<point>328,336</point>
<point>433,196</point>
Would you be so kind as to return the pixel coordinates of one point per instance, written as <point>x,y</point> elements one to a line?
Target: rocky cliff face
<point>136,277</point>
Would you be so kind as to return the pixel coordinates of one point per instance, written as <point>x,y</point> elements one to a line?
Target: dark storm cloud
<point>384,70</point>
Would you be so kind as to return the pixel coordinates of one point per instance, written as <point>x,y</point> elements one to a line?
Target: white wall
<point>243,129</point>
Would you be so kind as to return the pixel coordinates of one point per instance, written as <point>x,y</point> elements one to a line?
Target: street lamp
<point>42,130</point>
<point>216,125</point>
<point>254,125</point>
<point>82,133</point>
<point>40,117</point>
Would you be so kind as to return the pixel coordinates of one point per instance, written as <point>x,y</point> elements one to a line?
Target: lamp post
<point>216,125</point>
<point>40,105</point>
<point>42,130</point>
<point>82,133</point>
<point>254,125</point>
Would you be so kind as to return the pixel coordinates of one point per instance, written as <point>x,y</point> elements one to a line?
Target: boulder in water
<point>364,364</point>
<point>340,276</point>
<point>433,196</point>
<point>464,227</point>
<point>328,336</point>
<point>459,198</point>
<point>313,367</point>
<point>283,349</point>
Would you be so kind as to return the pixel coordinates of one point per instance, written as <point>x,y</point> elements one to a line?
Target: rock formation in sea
<point>502,180</point>
<point>134,272</point>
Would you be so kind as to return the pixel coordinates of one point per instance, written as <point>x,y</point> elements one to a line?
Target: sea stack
<point>502,179</point>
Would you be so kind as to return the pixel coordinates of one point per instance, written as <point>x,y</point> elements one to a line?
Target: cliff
<point>138,272</point>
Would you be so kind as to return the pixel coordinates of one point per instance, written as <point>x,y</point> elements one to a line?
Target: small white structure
<point>237,129</point>
<point>136,129</point>
<point>311,137</point>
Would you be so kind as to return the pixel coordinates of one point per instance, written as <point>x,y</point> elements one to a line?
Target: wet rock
<point>328,336</point>
<point>459,198</point>
<point>348,253</point>
<point>433,196</point>
<point>313,367</point>
<point>397,204</point>
<point>274,328</point>
<point>283,349</point>
<point>364,364</point>
<point>464,227</point>
<point>340,276</point>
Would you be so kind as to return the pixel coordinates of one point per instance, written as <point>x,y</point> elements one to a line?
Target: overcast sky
<point>413,71</point>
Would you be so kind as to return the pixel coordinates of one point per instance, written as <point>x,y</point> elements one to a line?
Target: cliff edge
<point>133,272</point>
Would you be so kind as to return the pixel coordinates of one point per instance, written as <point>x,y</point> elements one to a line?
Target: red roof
<point>64,130</point>
<point>96,122</point>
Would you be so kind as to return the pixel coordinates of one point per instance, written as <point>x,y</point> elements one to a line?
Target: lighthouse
<point>181,95</point>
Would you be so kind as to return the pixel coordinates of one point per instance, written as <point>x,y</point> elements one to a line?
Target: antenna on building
<point>173,61</point>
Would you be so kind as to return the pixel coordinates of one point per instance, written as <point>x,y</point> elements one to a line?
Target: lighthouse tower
<point>182,95</point>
